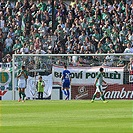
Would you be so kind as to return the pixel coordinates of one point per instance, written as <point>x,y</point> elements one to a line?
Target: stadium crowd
<point>81,27</point>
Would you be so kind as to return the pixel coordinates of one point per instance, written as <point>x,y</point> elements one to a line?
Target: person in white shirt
<point>8,43</point>
<point>129,49</point>
<point>24,49</point>
<point>2,22</point>
<point>22,77</point>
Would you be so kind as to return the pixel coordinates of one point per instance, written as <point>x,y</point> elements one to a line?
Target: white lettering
<point>123,93</point>
<point>118,94</point>
<point>115,94</point>
<point>107,94</point>
<point>128,92</point>
<point>131,96</point>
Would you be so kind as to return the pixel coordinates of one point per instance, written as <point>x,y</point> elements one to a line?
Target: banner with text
<point>86,75</point>
<point>110,92</point>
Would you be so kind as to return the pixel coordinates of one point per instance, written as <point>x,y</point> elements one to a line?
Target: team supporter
<point>83,23</point>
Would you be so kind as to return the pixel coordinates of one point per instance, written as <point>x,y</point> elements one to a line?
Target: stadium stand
<point>80,27</point>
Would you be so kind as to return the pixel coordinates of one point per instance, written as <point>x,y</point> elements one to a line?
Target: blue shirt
<point>66,75</point>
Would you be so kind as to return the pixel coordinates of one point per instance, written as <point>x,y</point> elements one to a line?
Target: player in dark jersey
<point>66,80</point>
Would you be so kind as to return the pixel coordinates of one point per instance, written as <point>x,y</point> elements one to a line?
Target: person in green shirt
<point>120,62</point>
<point>98,83</point>
<point>42,5</point>
<point>17,46</point>
<point>40,87</point>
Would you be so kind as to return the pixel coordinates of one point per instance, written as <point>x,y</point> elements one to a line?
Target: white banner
<point>87,75</point>
<point>5,65</point>
<point>31,90</point>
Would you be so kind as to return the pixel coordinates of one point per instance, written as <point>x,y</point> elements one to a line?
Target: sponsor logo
<point>5,78</point>
<point>122,94</point>
<point>83,93</point>
<point>110,92</point>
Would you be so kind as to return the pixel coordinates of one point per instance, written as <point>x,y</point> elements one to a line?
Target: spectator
<point>120,63</point>
<point>130,66</point>
<point>105,63</point>
<point>82,27</point>
<point>17,46</point>
<point>8,44</point>
<point>24,49</point>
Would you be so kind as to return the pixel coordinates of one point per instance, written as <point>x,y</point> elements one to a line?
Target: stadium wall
<point>120,83</point>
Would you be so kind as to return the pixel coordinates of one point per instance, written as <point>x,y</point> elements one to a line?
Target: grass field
<point>66,117</point>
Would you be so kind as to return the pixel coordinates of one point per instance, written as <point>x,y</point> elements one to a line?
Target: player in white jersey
<point>22,77</point>
<point>98,83</point>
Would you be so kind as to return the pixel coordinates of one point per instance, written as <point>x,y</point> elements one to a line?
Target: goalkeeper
<point>98,83</point>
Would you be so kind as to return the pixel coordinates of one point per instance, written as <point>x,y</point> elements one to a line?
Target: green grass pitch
<point>75,116</point>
